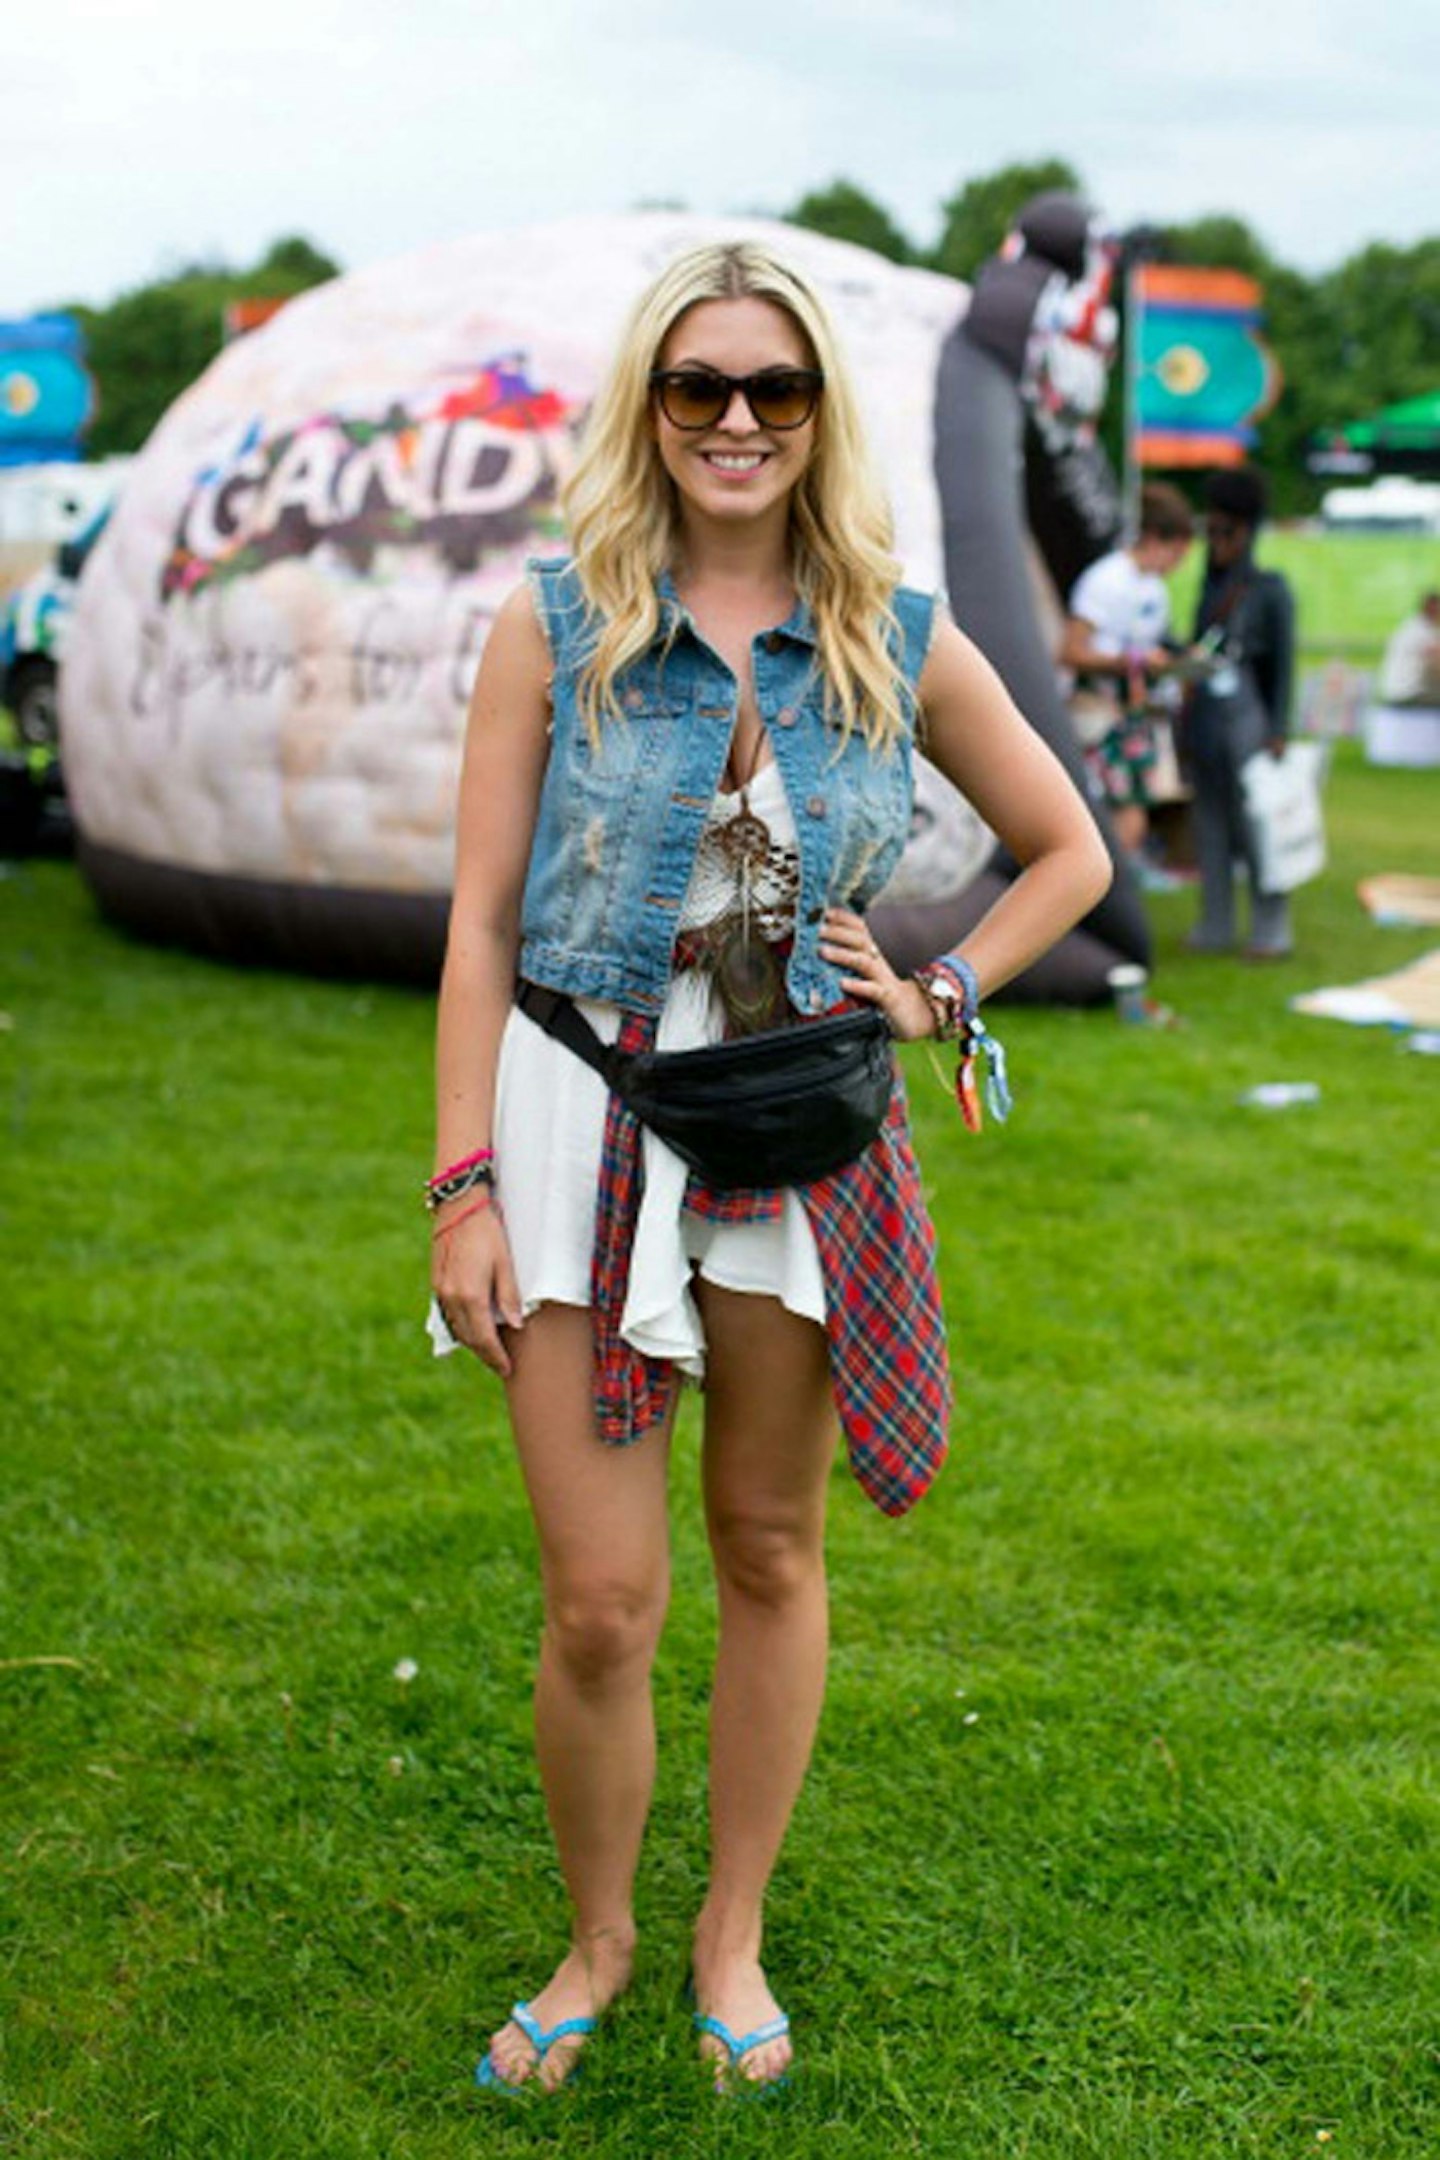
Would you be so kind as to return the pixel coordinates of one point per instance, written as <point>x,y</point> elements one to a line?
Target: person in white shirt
<point>1410,671</point>
<point>1119,618</point>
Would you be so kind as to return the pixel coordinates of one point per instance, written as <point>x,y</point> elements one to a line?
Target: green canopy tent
<point>1403,438</point>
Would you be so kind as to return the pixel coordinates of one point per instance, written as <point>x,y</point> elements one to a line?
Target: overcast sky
<point>141,135</point>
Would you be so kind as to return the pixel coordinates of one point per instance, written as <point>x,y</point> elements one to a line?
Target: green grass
<point>1171,1893</point>
<point>1351,589</point>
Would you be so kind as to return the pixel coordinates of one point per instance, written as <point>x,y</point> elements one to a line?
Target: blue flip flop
<point>488,2076</point>
<point>738,2048</point>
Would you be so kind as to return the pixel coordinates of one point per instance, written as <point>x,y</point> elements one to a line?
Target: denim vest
<point>618,827</point>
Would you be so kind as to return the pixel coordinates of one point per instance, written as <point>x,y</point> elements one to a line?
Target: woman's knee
<point>605,1627</point>
<point>771,1560</point>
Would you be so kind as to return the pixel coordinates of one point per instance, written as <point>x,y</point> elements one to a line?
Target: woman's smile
<point>737,463</point>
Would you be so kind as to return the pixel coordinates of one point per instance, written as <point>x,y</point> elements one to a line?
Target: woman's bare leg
<point>769,1441</point>
<point>604,1550</point>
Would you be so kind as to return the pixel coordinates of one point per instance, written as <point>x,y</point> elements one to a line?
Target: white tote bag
<point>1287,822</point>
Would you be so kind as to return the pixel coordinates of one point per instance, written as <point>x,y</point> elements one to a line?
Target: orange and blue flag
<point>1203,376</point>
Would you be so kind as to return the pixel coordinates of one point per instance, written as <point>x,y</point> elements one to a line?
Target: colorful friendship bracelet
<point>466,1162</point>
<point>477,1207</point>
<point>977,1041</point>
<point>951,989</point>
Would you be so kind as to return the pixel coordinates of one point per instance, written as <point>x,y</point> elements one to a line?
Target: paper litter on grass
<point>1410,998</point>
<point>1399,897</point>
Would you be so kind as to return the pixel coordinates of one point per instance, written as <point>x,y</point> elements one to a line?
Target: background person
<point>697,732</point>
<point>1115,642</point>
<point>1246,617</point>
<point>1410,670</point>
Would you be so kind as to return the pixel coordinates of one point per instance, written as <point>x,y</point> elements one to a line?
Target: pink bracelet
<point>476,1207</point>
<point>466,1162</point>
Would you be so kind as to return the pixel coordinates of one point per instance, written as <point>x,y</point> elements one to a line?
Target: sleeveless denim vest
<point>618,827</point>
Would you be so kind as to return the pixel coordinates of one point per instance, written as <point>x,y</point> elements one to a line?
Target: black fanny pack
<point>777,1108</point>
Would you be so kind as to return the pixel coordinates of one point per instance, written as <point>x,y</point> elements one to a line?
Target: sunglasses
<point>778,397</point>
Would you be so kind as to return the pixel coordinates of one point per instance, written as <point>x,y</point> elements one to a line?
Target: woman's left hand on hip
<point>846,942</point>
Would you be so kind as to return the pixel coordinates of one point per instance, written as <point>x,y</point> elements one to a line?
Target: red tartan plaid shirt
<point>889,1365</point>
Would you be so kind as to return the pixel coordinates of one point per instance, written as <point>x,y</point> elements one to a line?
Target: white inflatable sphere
<point>275,640</point>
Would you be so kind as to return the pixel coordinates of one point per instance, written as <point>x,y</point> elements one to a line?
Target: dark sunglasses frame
<point>724,387</point>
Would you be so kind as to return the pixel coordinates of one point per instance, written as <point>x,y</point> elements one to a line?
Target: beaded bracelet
<point>480,1170</point>
<point>951,989</point>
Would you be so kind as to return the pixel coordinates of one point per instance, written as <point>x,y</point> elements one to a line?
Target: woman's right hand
<point>473,1278</point>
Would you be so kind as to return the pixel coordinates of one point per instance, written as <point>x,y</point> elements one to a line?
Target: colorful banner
<point>1202,375</point>
<point>46,395</point>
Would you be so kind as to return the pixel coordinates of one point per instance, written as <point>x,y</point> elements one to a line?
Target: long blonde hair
<point>621,509</point>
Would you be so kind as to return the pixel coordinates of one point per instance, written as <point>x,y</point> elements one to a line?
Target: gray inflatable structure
<point>1028,499</point>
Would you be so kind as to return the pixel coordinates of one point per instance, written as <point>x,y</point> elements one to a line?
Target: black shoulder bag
<point>779,1108</point>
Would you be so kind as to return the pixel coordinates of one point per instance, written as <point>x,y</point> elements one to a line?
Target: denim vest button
<point>773,641</point>
<point>815,1000</point>
<point>786,716</point>
<point>815,807</point>
<point>633,700</point>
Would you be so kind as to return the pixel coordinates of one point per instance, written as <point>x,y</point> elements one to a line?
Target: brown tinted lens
<point>693,400</point>
<point>782,398</point>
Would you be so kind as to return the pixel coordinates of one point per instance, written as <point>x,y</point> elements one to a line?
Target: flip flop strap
<point>543,2041</point>
<point>775,2029</point>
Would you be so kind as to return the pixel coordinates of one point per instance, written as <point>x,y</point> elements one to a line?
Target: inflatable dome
<point>264,695</point>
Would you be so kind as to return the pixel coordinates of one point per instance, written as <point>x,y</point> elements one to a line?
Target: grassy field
<point>1121,1840</point>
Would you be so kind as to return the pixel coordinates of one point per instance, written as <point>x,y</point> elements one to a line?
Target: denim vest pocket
<point>654,685</point>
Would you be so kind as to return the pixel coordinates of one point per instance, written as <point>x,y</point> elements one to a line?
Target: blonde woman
<point>687,772</point>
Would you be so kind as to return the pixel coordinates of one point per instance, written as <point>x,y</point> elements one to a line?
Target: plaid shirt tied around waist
<point>889,1365</point>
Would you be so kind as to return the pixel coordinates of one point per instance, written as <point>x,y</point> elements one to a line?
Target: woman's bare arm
<point>506,745</point>
<point>976,736</point>
<point>1079,652</point>
<point>979,740</point>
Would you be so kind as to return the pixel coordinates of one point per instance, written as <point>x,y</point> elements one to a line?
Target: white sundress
<point>549,1131</point>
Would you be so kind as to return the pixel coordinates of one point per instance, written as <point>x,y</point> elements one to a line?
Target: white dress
<point>549,1129</point>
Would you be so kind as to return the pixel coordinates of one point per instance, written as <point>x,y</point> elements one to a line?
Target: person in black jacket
<point>1247,617</point>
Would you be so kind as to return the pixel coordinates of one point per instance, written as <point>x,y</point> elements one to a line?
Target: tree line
<point>1348,340</point>
<point>150,344</point>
